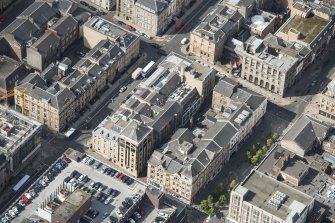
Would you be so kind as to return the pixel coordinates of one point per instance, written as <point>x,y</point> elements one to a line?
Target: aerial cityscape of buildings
<point>167,111</point>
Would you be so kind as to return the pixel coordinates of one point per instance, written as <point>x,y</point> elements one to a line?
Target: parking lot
<point>94,175</point>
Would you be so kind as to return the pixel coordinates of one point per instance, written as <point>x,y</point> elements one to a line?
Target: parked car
<point>15,209</point>
<point>142,213</point>
<point>108,199</point>
<point>96,213</point>
<point>2,18</point>
<point>83,178</point>
<point>32,192</point>
<point>66,159</point>
<point>83,3</point>
<point>115,193</point>
<point>137,215</point>
<point>67,179</point>
<point>123,89</point>
<point>105,215</point>
<point>97,165</point>
<point>119,213</point>
<point>12,214</point>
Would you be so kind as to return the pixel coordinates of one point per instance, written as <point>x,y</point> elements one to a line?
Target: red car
<point>142,213</point>
<point>132,28</point>
<point>121,176</point>
<point>67,160</point>
<point>25,199</point>
<point>179,26</point>
<point>2,18</point>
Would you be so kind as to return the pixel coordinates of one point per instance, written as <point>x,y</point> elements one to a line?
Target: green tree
<point>253,149</point>
<point>254,160</point>
<point>232,184</point>
<point>210,199</point>
<point>248,154</point>
<point>211,212</point>
<point>222,199</point>
<point>264,149</point>
<point>259,154</point>
<point>274,136</point>
<point>269,142</point>
<point>217,205</point>
<point>204,205</point>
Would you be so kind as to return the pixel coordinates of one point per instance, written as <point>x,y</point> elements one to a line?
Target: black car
<point>129,181</point>
<point>129,201</point>
<point>99,195</point>
<point>83,3</point>
<point>113,219</point>
<point>74,173</point>
<point>92,8</point>
<point>115,193</point>
<point>67,179</point>
<point>96,213</point>
<point>109,191</point>
<point>109,171</point>
<point>125,205</point>
<point>97,185</point>
<point>92,192</point>
<point>53,174</point>
<point>77,175</point>
<point>155,45</point>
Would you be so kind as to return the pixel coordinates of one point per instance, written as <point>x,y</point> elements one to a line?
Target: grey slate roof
<point>40,12</point>
<point>221,133</point>
<point>22,29</point>
<point>305,131</point>
<point>63,24</point>
<point>47,41</point>
<point>136,131</point>
<point>219,23</point>
<point>156,6</point>
<point>57,95</point>
<point>226,87</point>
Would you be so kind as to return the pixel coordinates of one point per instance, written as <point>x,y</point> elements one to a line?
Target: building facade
<point>207,40</point>
<point>4,172</point>
<point>271,201</point>
<point>149,16</point>
<point>19,141</point>
<point>105,4</point>
<point>271,63</point>
<point>326,102</point>
<point>26,28</point>
<point>97,29</point>
<point>50,47</point>
<point>11,72</point>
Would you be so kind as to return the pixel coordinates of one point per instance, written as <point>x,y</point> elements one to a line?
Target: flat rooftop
<point>74,201</point>
<point>314,184</point>
<point>7,66</point>
<point>112,30</point>
<point>262,187</point>
<point>309,27</point>
<point>15,129</point>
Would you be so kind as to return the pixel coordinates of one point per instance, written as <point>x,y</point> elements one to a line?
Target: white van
<point>184,41</point>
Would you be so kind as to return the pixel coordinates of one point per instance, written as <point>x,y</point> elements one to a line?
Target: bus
<point>21,183</point>
<point>136,73</point>
<point>69,134</point>
<point>147,69</point>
